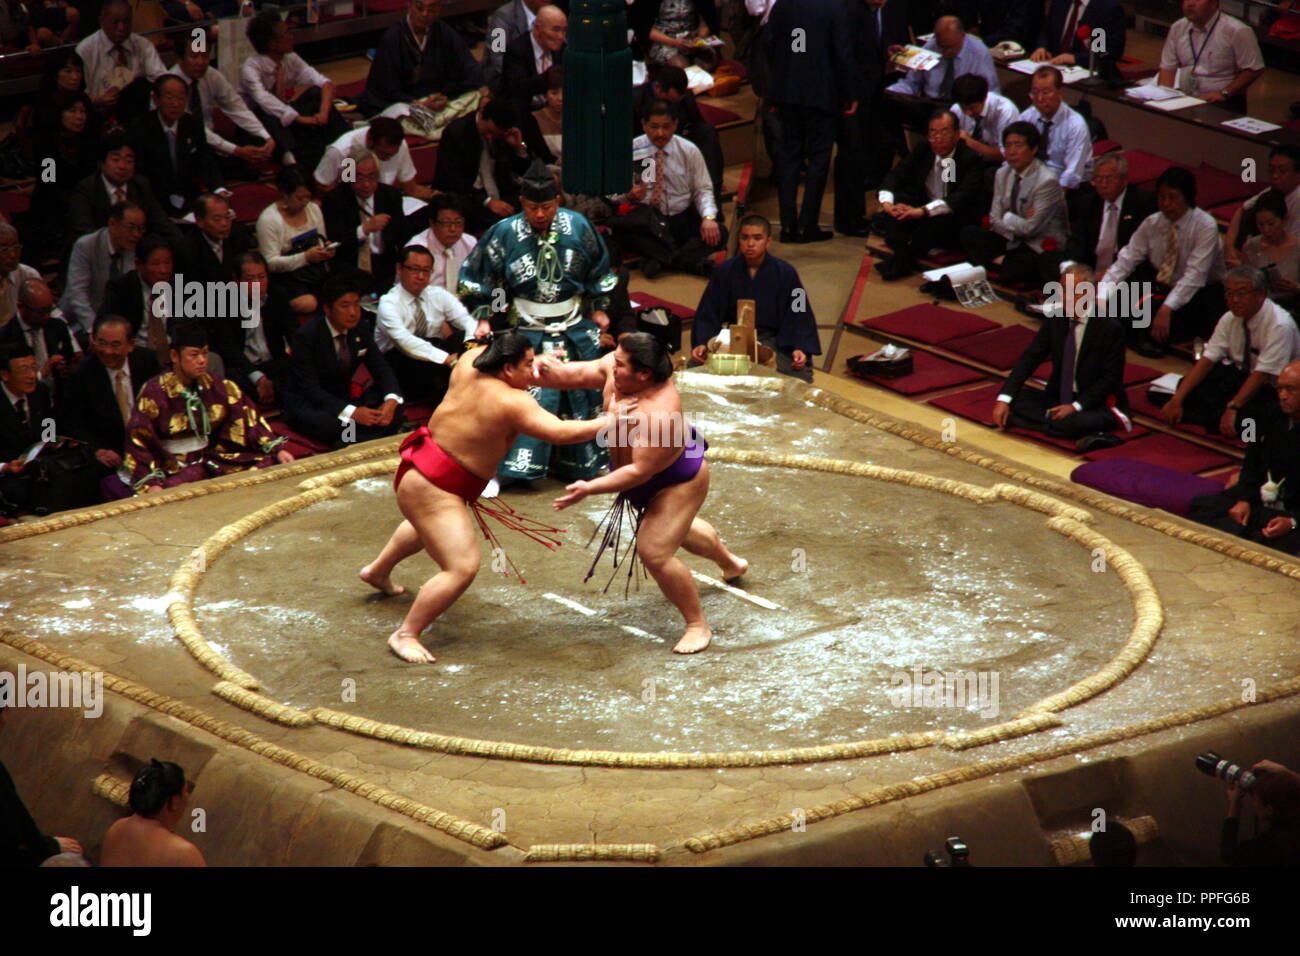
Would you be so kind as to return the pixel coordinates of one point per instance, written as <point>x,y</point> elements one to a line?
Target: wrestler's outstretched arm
<point>531,419</point>
<point>549,372</point>
<point>648,459</point>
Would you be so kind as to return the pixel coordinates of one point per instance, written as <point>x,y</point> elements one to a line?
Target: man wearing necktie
<point>25,407</point>
<point>527,58</point>
<point>1106,216</point>
<point>13,272</point>
<point>365,217</point>
<point>1084,397</point>
<point>172,149</point>
<point>120,65</point>
<point>96,259</point>
<point>1066,144</point>
<point>1232,382</point>
<point>1063,43</point>
<point>38,327</point>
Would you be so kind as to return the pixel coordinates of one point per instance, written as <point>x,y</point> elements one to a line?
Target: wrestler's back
<point>472,423</point>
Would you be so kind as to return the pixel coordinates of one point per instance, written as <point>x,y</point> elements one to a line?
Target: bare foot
<point>384,584</point>
<point>735,570</point>
<point>409,648</point>
<point>694,640</point>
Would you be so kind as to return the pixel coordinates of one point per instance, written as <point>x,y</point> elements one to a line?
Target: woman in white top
<point>550,118</point>
<point>291,237</point>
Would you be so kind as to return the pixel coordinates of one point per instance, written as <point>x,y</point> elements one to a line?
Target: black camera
<point>1212,765</point>
<point>958,854</point>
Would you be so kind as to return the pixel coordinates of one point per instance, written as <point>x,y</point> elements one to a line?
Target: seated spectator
<point>96,258</point>
<point>480,160</point>
<point>66,153</point>
<point>100,393</point>
<point>997,21</point>
<point>22,844</point>
<point>130,296</point>
<point>261,364</point>
<point>208,252</point>
<point>982,116</point>
<point>1274,251</point>
<point>676,220</point>
<point>783,315</point>
<point>120,65</point>
<point>550,118</point>
<point>365,217</point>
<point>42,23</point>
<point>447,240</point>
<point>1085,394</point>
<point>208,88</point>
<point>420,329</point>
<point>1283,177</point>
<point>41,327</point>
<point>1063,43</point>
<point>13,272</point>
<point>188,425</point>
<point>1065,144</point>
<point>1211,56</point>
<point>291,237</point>
<point>1232,381</point>
<point>670,86</point>
<point>64,80</point>
<point>419,60</point>
<point>322,362</point>
<point>1177,247</point>
<point>301,126</point>
<point>527,58</point>
<point>159,797</point>
<point>27,406</point>
<point>512,19</point>
<point>669,31</point>
<point>115,182</point>
<point>1113,846</point>
<point>1277,799</point>
<point>1028,216</point>
<point>171,149</point>
<point>928,198</point>
<point>1265,502</point>
<point>383,137</point>
<point>1105,217</point>
<point>961,54</point>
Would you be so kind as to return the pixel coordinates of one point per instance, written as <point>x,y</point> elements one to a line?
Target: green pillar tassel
<point>597,100</point>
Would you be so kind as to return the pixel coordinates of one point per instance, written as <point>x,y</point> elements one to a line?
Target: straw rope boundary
<point>591,852</point>
<point>113,789</point>
<point>876,796</point>
<point>1075,849</point>
<point>454,826</point>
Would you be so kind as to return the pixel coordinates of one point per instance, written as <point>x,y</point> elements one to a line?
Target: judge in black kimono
<point>783,315</point>
<point>419,60</point>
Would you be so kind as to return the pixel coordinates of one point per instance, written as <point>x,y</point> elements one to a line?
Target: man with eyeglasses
<point>13,273</point>
<point>421,328</point>
<point>96,258</point>
<point>40,326</point>
<point>419,60</point>
<point>447,240</point>
<point>1065,145</point>
<point>1105,218</point>
<point>365,217</point>
<point>1284,176</point>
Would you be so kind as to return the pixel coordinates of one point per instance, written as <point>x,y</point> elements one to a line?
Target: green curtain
<point>597,99</point>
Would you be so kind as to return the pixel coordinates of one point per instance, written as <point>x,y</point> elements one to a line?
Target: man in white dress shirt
<point>209,88</point>
<point>674,182</point>
<point>1211,56</point>
<point>447,240</point>
<point>1180,248</point>
<point>120,65</point>
<point>1233,379</point>
<point>417,328</point>
<point>1066,145</point>
<point>13,273</point>
<point>982,115</point>
<point>387,140</point>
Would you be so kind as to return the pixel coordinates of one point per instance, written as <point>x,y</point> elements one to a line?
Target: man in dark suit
<point>99,394</point>
<point>324,357</point>
<point>928,197</point>
<point>130,296</point>
<point>1087,381</point>
<point>116,182</point>
<point>365,218</point>
<point>671,86</point>
<point>1105,217</point>
<point>209,252</point>
<point>528,57</point>
<point>172,149</point>
<point>495,128</point>
<point>812,82</point>
<point>1059,42</point>
<point>25,410</point>
<point>868,139</point>
<point>37,327</point>
<point>999,20</point>
<point>257,357</point>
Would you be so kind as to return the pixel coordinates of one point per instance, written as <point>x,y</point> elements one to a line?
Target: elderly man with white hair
<point>13,273</point>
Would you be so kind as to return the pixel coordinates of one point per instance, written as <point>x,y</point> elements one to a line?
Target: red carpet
<point>931,324</point>
<point>1167,450</point>
<point>1133,374</point>
<point>929,373</point>
<point>1000,348</point>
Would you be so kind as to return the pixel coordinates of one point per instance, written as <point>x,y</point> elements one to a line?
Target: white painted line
<point>743,595</point>
<point>572,605</point>
<point>638,632</point>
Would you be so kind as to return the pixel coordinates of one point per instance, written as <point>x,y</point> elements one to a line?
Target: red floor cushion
<point>249,199</point>
<point>1144,167</point>
<point>298,445</point>
<point>1000,348</point>
<point>1168,451</point>
<point>426,162</point>
<point>718,116</point>
<point>1214,187</point>
<point>929,373</point>
<point>1145,484</point>
<point>1133,374</point>
<point>350,91</point>
<point>931,324</point>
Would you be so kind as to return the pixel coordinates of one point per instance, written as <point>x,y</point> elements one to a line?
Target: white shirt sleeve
<point>390,319</point>
<point>250,75</point>
<point>1205,246</point>
<point>1217,349</point>
<point>454,311</point>
<point>1137,251</point>
<point>1079,154</point>
<point>327,170</point>
<point>234,108</point>
<point>701,183</point>
<point>1275,348</point>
